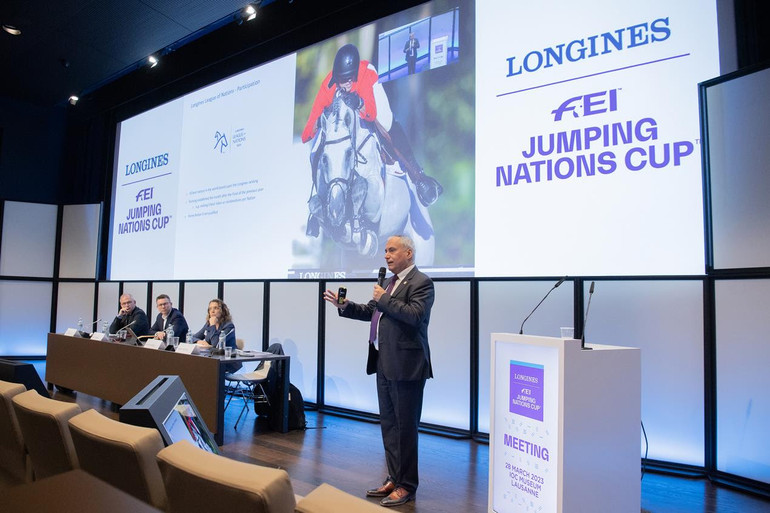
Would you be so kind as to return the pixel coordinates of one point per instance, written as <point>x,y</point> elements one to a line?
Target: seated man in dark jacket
<point>130,316</point>
<point>168,316</point>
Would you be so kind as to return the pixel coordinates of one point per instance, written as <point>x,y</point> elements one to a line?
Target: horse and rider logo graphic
<point>220,141</point>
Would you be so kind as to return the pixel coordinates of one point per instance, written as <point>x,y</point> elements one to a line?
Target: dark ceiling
<point>75,46</point>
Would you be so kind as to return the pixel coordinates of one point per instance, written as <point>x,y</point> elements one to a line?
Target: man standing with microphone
<point>399,316</point>
<point>410,53</point>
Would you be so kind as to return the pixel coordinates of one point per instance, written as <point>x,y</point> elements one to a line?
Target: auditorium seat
<point>15,465</point>
<point>328,499</point>
<point>43,424</point>
<point>120,454</point>
<point>197,480</point>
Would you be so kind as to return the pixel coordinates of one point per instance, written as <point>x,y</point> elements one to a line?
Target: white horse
<point>361,201</point>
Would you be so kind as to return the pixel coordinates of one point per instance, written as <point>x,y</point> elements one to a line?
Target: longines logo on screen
<point>590,46</point>
<point>146,164</point>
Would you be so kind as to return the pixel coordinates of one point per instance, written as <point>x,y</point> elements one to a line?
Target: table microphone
<point>381,276</point>
<point>85,334</point>
<point>215,351</point>
<point>130,335</point>
<point>585,320</point>
<point>521,329</point>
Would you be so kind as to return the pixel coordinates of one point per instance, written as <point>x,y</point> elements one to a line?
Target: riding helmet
<point>345,65</point>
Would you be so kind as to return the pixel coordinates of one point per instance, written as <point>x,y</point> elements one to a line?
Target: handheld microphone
<point>521,329</point>
<point>588,307</point>
<point>381,276</point>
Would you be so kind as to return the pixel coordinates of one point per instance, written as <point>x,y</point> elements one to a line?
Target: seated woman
<point>218,320</point>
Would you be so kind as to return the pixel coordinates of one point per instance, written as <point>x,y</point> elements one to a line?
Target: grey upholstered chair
<point>120,454</point>
<point>328,499</point>
<point>197,480</point>
<point>43,424</point>
<point>14,462</point>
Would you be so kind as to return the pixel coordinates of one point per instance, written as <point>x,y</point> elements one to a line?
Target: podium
<point>565,427</point>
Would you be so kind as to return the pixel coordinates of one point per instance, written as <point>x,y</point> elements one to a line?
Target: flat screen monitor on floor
<point>23,373</point>
<point>164,404</point>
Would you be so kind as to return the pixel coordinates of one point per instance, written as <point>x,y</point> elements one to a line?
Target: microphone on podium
<point>381,276</point>
<point>588,307</point>
<point>521,329</point>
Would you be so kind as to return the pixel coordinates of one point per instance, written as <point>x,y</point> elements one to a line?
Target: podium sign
<point>525,429</point>
<point>564,433</point>
<point>439,51</point>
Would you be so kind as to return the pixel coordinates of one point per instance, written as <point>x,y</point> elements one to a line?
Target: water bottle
<point>189,337</point>
<point>105,328</point>
<point>221,345</point>
<point>169,334</point>
<point>80,325</point>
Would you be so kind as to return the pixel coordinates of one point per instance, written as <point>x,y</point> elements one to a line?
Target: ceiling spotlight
<point>11,30</point>
<point>73,99</point>
<point>248,13</point>
<point>152,61</point>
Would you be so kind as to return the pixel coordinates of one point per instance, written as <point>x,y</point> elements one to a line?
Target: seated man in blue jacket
<point>168,316</point>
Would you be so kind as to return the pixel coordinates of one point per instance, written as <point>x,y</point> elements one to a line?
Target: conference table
<point>116,372</point>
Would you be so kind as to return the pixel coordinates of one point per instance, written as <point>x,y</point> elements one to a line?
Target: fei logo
<point>590,104</point>
<point>220,141</point>
<point>144,194</point>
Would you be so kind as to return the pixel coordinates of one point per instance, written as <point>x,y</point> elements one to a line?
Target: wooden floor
<point>348,454</point>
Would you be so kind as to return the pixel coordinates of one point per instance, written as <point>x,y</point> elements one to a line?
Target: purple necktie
<point>377,314</point>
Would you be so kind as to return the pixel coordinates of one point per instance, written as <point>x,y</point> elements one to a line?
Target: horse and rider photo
<point>379,163</point>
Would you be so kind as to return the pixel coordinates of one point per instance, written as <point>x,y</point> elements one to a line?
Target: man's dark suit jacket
<point>140,326</point>
<point>177,321</point>
<point>402,339</point>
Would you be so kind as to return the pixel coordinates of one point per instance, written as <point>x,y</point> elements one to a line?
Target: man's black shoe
<point>383,491</point>
<point>398,497</point>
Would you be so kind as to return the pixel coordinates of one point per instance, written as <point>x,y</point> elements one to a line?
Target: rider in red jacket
<point>356,81</point>
<point>358,94</point>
